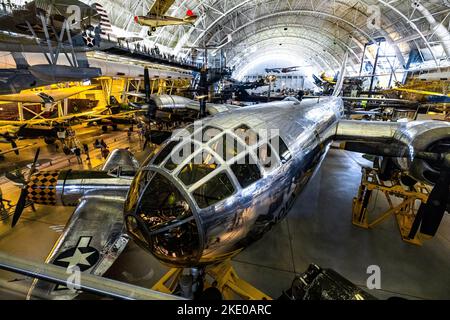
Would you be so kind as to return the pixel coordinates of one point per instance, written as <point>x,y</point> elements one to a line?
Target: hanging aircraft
<point>222,183</point>
<point>157,17</point>
<point>422,95</point>
<point>282,70</point>
<point>86,28</point>
<point>45,96</point>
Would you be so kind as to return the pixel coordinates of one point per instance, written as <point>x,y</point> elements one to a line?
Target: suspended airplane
<point>424,95</point>
<point>45,96</point>
<point>48,21</point>
<point>282,70</point>
<point>221,184</point>
<point>157,17</point>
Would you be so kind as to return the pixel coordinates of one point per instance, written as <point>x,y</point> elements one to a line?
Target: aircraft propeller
<point>12,140</point>
<point>20,206</point>
<point>431,213</point>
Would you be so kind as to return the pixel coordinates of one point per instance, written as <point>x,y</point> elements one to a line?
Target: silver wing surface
<point>94,236</point>
<point>90,243</point>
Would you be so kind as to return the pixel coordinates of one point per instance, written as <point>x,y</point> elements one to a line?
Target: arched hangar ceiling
<point>320,30</point>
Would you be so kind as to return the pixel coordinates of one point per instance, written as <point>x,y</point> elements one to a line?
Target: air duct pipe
<point>437,28</point>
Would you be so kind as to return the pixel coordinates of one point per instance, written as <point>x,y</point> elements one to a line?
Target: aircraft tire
<point>104,128</point>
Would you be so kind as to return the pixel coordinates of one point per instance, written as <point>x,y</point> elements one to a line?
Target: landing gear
<point>225,284</point>
<point>49,140</point>
<point>114,127</point>
<point>104,128</point>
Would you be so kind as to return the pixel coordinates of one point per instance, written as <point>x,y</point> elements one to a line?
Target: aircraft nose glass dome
<point>160,219</point>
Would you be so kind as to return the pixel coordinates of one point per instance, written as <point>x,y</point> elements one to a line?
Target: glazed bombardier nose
<point>161,220</point>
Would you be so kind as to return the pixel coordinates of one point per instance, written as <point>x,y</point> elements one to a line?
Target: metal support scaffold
<point>403,203</point>
<point>223,277</point>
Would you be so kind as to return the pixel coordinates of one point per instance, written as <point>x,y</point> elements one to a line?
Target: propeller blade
<point>436,205</point>
<point>33,165</point>
<point>147,85</point>
<point>20,206</point>
<point>14,146</point>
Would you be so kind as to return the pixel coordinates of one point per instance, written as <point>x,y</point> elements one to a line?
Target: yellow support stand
<point>225,279</point>
<point>405,211</point>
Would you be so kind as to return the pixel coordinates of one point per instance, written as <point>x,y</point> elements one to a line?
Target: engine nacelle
<point>429,136</point>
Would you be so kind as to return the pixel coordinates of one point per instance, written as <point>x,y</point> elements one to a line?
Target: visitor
<point>77,152</point>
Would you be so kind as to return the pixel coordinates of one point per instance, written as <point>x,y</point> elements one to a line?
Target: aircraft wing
<point>212,109</point>
<point>393,139</point>
<point>91,241</point>
<point>95,235</point>
<point>45,96</point>
<point>113,116</point>
<point>422,92</point>
<point>160,7</point>
<point>41,121</point>
<point>136,94</point>
<point>16,149</point>
<point>389,100</point>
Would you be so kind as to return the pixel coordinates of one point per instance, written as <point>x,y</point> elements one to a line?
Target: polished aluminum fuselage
<point>229,226</point>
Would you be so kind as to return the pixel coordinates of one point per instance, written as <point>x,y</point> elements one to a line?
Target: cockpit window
<point>266,156</point>
<point>227,147</point>
<point>247,134</point>
<point>214,190</point>
<point>164,221</point>
<point>180,155</point>
<point>165,152</point>
<point>199,167</point>
<point>190,128</point>
<point>278,144</point>
<point>209,133</point>
<point>246,171</point>
<point>160,203</point>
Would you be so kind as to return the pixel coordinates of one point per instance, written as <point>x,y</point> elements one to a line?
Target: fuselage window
<point>199,167</point>
<point>165,152</point>
<point>266,156</point>
<point>180,155</point>
<point>208,133</point>
<point>227,147</point>
<point>247,134</point>
<point>283,151</point>
<point>246,171</point>
<point>162,204</point>
<point>214,190</point>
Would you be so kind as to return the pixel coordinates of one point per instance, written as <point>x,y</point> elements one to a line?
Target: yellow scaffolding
<point>224,278</point>
<point>403,203</point>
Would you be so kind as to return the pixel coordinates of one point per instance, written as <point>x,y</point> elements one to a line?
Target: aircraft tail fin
<point>340,80</point>
<point>105,22</point>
